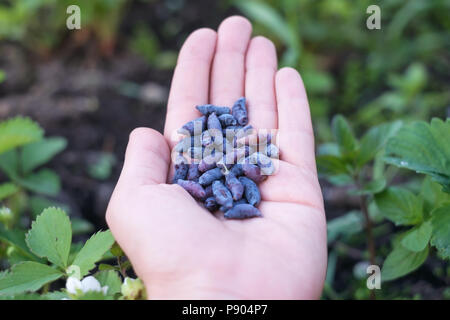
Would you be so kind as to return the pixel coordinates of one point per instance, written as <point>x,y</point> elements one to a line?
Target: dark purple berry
<point>208,191</point>
<point>210,176</point>
<point>251,191</point>
<point>214,123</point>
<point>207,109</point>
<point>242,211</point>
<point>227,120</point>
<point>253,172</point>
<point>211,204</point>
<point>193,173</point>
<point>194,188</point>
<point>263,161</point>
<point>237,170</point>
<point>194,127</point>
<point>234,185</point>
<point>239,112</point>
<point>209,162</point>
<point>222,194</point>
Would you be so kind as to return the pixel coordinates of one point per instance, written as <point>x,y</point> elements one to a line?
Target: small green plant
<point>49,255</point>
<point>362,166</point>
<point>39,258</point>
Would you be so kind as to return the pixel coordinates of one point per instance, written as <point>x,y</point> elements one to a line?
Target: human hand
<point>178,248</point>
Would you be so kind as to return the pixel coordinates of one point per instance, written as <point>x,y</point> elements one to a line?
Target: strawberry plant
<point>40,258</point>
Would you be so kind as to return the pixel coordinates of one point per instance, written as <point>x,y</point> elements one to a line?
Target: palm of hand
<point>177,247</point>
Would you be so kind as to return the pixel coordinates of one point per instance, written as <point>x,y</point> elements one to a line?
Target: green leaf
<point>9,164</point>
<point>343,134</point>
<point>27,276</point>
<point>40,152</point>
<point>400,206</point>
<point>402,261</point>
<point>39,204</point>
<point>16,238</point>
<point>44,181</point>
<point>330,165</point>
<point>373,187</point>
<point>111,279</point>
<point>417,239</point>
<point>432,194</point>
<point>93,251</point>
<point>440,219</point>
<point>50,236</point>
<point>375,139</point>
<point>345,225</point>
<point>7,189</point>
<point>424,148</point>
<point>18,131</point>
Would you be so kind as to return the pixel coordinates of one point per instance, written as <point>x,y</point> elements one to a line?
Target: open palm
<point>176,246</point>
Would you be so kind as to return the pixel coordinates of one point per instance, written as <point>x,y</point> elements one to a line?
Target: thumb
<point>147,158</point>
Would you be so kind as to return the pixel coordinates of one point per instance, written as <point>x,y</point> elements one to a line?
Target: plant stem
<point>122,270</point>
<point>368,227</point>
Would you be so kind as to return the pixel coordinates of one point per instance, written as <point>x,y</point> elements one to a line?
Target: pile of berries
<point>222,158</point>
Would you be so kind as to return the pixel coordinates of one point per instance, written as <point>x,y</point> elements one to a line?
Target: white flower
<point>75,286</point>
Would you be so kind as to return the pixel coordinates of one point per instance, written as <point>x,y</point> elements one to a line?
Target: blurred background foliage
<point>401,72</point>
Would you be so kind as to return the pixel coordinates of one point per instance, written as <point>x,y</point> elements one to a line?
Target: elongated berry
<point>210,176</point>
<point>222,194</point>
<point>251,191</point>
<point>193,173</point>
<point>207,109</point>
<point>227,120</point>
<point>214,123</point>
<point>190,141</point>
<point>194,127</point>
<point>181,168</point>
<point>239,112</point>
<point>208,191</point>
<point>195,152</point>
<point>194,188</point>
<point>253,172</point>
<point>240,201</point>
<point>211,204</point>
<point>263,161</point>
<point>234,185</point>
<point>209,162</point>
<point>272,151</point>
<point>237,170</point>
<point>242,211</point>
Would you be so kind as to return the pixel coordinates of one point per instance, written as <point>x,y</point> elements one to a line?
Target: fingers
<point>296,137</point>
<point>227,77</point>
<point>146,160</point>
<point>190,84</point>
<point>261,66</point>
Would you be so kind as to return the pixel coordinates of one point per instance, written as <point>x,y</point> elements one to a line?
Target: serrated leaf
<point>344,135</point>
<point>35,154</point>
<point>45,181</point>
<point>402,261</point>
<point>7,189</point>
<point>111,279</point>
<point>400,206</point>
<point>424,148</point>
<point>374,140</point>
<point>440,219</point>
<point>27,277</point>
<point>18,131</point>
<point>51,236</point>
<point>16,238</point>
<point>39,204</point>
<point>417,239</point>
<point>93,251</point>
<point>432,194</point>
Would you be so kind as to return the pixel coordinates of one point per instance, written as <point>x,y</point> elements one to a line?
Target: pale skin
<point>178,248</point>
